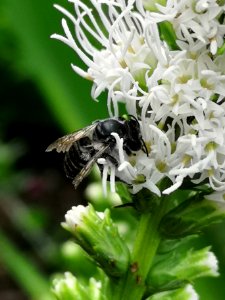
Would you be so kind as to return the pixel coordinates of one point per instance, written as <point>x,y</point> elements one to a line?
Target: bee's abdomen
<point>77,157</point>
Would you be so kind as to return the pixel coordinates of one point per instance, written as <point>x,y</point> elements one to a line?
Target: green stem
<point>144,251</point>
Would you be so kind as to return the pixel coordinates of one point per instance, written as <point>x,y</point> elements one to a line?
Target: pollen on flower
<point>211,146</point>
<point>183,79</point>
<point>123,63</point>
<point>148,146</point>
<point>205,84</point>
<point>211,172</point>
<point>186,159</point>
<point>174,99</point>
<point>139,179</point>
<point>161,166</point>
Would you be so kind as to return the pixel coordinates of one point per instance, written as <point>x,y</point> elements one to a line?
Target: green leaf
<point>191,216</point>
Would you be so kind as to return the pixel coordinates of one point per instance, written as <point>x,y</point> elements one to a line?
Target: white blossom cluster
<point>196,23</point>
<point>177,94</point>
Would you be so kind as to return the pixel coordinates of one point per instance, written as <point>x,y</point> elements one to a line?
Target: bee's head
<point>105,128</point>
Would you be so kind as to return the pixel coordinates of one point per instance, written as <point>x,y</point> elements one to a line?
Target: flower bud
<point>181,266</point>
<point>99,237</point>
<point>185,293</point>
<point>69,288</point>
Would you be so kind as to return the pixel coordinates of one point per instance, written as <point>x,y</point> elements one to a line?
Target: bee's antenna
<point>133,117</point>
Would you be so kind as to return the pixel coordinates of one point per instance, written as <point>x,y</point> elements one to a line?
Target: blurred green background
<point>41,98</point>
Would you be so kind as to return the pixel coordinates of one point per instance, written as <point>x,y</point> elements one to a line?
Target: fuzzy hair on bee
<point>84,147</point>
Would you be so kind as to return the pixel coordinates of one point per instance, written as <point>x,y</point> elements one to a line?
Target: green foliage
<point>191,216</point>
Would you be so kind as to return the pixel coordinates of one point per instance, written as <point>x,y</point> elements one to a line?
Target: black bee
<point>83,147</point>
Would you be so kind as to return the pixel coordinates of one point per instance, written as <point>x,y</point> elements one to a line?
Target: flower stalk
<point>144,251</point>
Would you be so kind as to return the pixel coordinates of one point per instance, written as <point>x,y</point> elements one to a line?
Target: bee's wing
<point>87,168</point>
<point>64,143</point>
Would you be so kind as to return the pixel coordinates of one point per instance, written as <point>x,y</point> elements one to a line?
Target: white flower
<point>125,55</point>
<point>212,263</point>
<point>196,23</point>
<point>74,217</point>
<point>216,197</point>
<point>191,292</point>
<point>192,124</point>
<point>178,96</point>
<point>68,287</point>
<point>185,293</point>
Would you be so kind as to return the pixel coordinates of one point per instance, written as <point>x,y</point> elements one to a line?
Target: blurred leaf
<point>76,260</point>
<point>9,153</point>
<point>210,288</point>
<point>24,271</point>
<point>48,62</point>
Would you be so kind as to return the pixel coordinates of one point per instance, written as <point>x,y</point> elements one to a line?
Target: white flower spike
<point>178,95</point>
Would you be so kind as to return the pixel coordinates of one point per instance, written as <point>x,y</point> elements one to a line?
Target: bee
<point>84,147</point>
